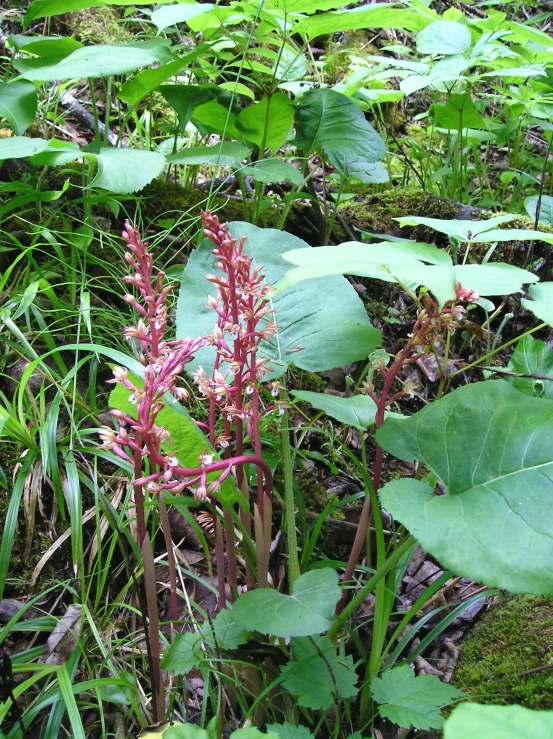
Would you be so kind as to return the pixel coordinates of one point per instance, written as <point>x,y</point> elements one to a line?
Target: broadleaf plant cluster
<point>205,438</point>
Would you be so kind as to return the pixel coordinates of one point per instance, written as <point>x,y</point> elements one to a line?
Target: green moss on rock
<point>507,657</point>
<point>98,26</point>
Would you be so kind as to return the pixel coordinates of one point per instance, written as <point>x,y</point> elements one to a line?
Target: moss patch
<point>98,26</point>
<point>511,640</point>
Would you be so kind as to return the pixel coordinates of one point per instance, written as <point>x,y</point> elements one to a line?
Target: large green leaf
<point>168,15</point>
<point>478,232</point>
<point>225,154</point>
<point>316,674</point>
<point>379,15</point>
<point>309,610</point>
<point>490,445</point>
<point>404,262</point>
<point>329,121</point>
<point>100,60</point>
<point>456,113</point>
<point>45,46</point>
<point>183,653</point>
<point>498,722</point>
<point>411,701</point>
<point>358,411</point>
<point>224,632</point>
<point>126,170</point>
<point>541,303</point>
<point>322,325</point>
<point>268,122</point>
<point>186,98</point>
<point>18,104</point>
<point>546,208</point>
<point>187,439</point>
<point>532,357</point>
<point>274,170</point>
<point>145,82</point>
<point>444,37</point>
<point>17,147</point>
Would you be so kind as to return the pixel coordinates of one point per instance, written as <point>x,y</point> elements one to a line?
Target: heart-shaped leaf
<point>322,325</point>
<point>17,147</point>
<point>542,301</point>
<point>490,445</point>
<point>444,37</point>
<point>532,357</point>
<point>329,121</point>
<point>18,104</point>
<point>358,411</point>
<point>309,610</point>
<point>126,170</point>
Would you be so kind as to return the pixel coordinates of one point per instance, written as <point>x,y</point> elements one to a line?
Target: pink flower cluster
<point>240,305</point>
<point>244,318</point>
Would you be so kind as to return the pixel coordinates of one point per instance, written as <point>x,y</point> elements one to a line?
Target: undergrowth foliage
<point>443,427</point>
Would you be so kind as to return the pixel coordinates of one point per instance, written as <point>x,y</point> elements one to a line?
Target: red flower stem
<point>139,493</point>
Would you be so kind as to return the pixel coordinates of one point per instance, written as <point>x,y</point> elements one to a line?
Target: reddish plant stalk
<point>431,321</point>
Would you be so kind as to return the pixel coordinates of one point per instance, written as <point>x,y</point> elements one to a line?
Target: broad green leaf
<point>122,690</point>
<point>225,154</point>
<point>498,722</point>
<point>18,104</point>
<point>291,65</point>
<point>546,208</point>
<point>456,113</point>
<point>100,60</point>
<point>444,37</point>
<point>145,82</point>
<point>490,445</point>
<point>126,170</point>
<point>184,99</point>
<point>322,325</point>
<point>226,632</point>
<point>183,653</point>
<point>541,303</point>
<point>268,122</point>
<point>169,15</point>
<point>212,117</point>
<point>185,731</point>
<point>46,46</point>
<point>532,357</point>
<point>358,411</point>
<point>309,610</point>
<point>484,279</point>
<point>188,439</point>
<point>57,153</point>
<point>367,172</point>
<point>457,229</point>
<point>17,147</point>
<point>379,15</point>
<point>289,731</point>
<point>238,88</point>
<point>329,121</point>
<point>412,702</point>
<point>274,170</point>
<point>46,8</point>
<point>309,676</point>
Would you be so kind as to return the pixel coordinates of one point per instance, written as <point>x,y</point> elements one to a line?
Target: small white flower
<point>206,459</point>
<point>133,399</point>
<point>249,389</point>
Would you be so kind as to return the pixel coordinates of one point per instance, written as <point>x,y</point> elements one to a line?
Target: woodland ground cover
<point>265,454</point>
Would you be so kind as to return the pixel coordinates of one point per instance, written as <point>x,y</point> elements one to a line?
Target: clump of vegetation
<point>149,568</point>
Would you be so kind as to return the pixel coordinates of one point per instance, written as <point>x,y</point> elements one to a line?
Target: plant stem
<point>293,561</point>
<point>392,560</point>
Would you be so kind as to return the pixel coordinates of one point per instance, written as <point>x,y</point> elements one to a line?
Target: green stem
<point>495,351</point>
<point>369,585</point>
<point>293,561</point>
<point>94,109</point>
